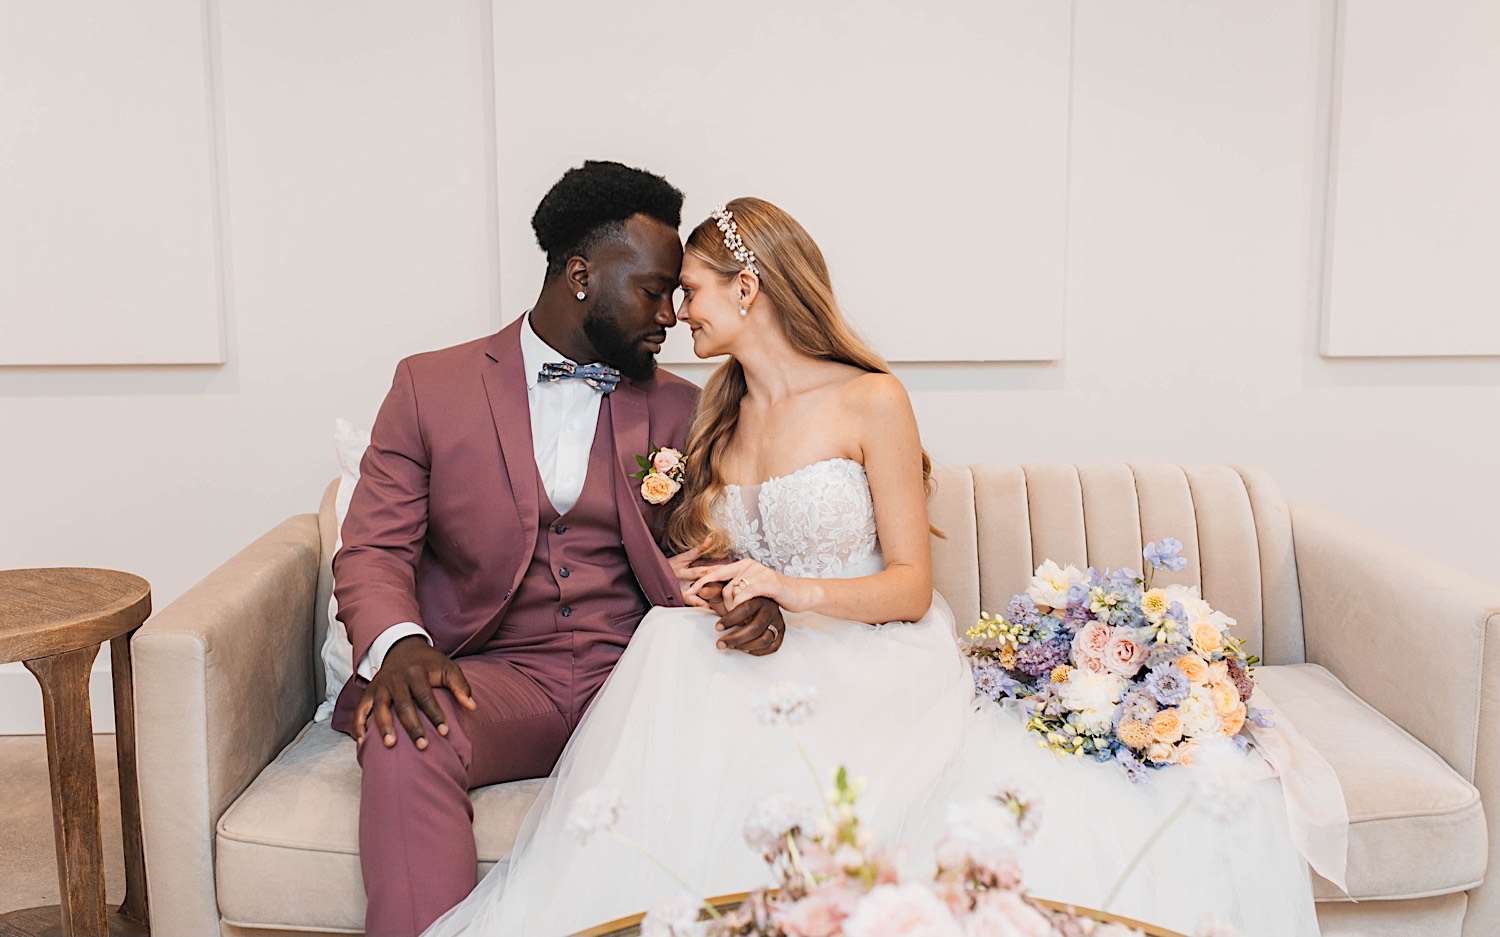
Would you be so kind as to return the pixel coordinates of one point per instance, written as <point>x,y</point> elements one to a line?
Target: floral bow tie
<point>597,376</point>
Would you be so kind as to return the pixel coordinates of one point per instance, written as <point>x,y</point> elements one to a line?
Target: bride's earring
<point>743,312</point>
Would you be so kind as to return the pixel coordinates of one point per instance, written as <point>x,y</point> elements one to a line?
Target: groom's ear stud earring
<point>580,294</point>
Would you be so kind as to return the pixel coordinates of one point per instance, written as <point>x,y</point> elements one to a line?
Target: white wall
<point>357,174</point>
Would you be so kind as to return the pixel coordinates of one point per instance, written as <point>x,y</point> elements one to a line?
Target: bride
<point>803,448</point>
<point>806,482</point>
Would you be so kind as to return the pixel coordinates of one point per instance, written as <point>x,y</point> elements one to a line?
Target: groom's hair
<point>591,204</point>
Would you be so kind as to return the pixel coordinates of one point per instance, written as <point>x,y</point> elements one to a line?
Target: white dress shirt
<point>563,417</point>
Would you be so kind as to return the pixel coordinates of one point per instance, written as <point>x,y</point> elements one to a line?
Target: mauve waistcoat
<point>579,602</point>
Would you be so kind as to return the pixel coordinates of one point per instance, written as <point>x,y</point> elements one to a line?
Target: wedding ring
<point>741,582</point>
<point>775,633</point>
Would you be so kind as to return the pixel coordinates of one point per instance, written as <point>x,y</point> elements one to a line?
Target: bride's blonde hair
<point>794,278</point>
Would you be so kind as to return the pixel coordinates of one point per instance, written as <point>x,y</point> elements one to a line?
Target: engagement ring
<point>741,582</point>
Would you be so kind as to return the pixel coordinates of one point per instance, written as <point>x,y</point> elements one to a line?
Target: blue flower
<point>1134,770</point>
<point>1047,628</point>
<point>1261,717</point>
<point>1078,595</point>
<point>994,681</point>
<point>1122,577</point>
<point>1177,613</point>
<point>1168,684</point>
<point>1165,655</point>
<point>1138,704</point>
<point>1021,610</point>
<point>1040,658</point>
<point>1164,555</point>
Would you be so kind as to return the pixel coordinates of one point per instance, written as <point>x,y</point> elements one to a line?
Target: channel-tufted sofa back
<point>1003,520</point>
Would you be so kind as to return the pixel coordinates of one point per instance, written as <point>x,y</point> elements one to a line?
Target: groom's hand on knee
<point>403,690</point>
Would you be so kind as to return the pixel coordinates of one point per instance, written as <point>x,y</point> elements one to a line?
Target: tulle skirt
<point>675,731</point>
<point>1243,870</point>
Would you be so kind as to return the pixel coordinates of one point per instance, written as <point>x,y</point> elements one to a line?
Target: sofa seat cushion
<point>1416,827</point>
<point>288,848</point>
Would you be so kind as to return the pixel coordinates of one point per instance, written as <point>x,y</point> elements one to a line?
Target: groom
<point>497,556</point>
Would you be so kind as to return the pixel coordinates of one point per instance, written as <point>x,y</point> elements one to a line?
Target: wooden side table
<point>54,620</point>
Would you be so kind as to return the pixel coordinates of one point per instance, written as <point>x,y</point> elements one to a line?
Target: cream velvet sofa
<point>1387,660</point>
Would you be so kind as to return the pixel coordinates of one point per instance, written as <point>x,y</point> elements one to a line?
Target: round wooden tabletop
<point>44,612</point>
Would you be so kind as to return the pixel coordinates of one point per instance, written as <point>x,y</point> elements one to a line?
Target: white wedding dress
<point>674,730</point>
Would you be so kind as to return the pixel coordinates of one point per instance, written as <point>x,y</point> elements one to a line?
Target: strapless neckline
<point>774,479</point>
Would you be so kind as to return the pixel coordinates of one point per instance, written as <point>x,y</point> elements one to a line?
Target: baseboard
<point>21,699</point>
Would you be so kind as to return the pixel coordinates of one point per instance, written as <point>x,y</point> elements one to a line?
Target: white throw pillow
<point>349,443</point>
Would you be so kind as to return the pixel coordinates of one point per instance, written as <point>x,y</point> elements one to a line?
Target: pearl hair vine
<point>743,255</point>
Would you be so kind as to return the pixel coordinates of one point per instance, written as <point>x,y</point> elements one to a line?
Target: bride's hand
<point>746,579</point>
<point>682,563</point>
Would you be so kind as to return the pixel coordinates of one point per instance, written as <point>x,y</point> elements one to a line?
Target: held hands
<point>743,580</point>
<point>749,623</point>
<point>403,686</point>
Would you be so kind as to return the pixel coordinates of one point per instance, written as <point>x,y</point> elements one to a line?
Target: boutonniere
<point>660,474</point>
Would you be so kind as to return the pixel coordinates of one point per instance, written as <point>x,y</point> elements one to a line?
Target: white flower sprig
<point>786,704</point>
<point>596,810</point>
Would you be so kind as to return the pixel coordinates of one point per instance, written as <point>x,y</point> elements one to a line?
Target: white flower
<point>909,910</point>
<point>786,704</point>
<point>674,917</point>
<point>1050,585</point>
<point>1213,927</point>
<point>772,818</point>
<point>1093,696</point>
<point>595,809</point>
<point>993,827</point>
<point>1221,778</point>
<point>1200,717</point>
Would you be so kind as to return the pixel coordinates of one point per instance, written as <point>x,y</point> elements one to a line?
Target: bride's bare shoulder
<point>875,393</point>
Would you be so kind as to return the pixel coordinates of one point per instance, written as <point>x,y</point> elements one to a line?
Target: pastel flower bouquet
<point>1114,668</point>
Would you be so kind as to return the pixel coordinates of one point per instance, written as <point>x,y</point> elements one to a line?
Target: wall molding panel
<point>111,251</point>
<point>1412,193</point>
<point>902,172</point>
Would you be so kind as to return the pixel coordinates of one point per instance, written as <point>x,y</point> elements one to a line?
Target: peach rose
<point>1194,667</point>
<point>666,461</point>
<point>658,488</point>
<point>1206,639</point>
<point>1226,697</point>
<point>1218,672</point>
<point>1166,726</point>
<point>1162,753</point>
<point>1123,656</point>
<point>1186,752</point>
<point>1235,720</point>
<point>1093,665</point>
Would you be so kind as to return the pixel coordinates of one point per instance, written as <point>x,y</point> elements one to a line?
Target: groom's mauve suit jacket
<point>443,523</point>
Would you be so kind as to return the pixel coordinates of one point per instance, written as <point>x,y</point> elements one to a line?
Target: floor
<point>28,862</point>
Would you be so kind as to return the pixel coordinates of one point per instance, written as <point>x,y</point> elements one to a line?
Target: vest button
<point>560,529</point>
<point>567,610</point>
<point>563,572</point>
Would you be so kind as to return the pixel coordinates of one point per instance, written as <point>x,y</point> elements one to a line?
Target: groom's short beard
<point>616,349</point>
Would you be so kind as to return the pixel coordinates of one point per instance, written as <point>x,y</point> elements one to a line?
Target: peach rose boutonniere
<point>661,474</point>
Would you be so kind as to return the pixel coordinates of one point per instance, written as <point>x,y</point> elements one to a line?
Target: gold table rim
<point>722,901</point>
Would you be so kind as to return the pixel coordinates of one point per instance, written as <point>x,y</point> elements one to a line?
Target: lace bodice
<point>818,522</point>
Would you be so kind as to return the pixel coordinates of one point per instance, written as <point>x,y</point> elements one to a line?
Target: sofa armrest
<point>1400,629</point>
<point>223,681</point>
